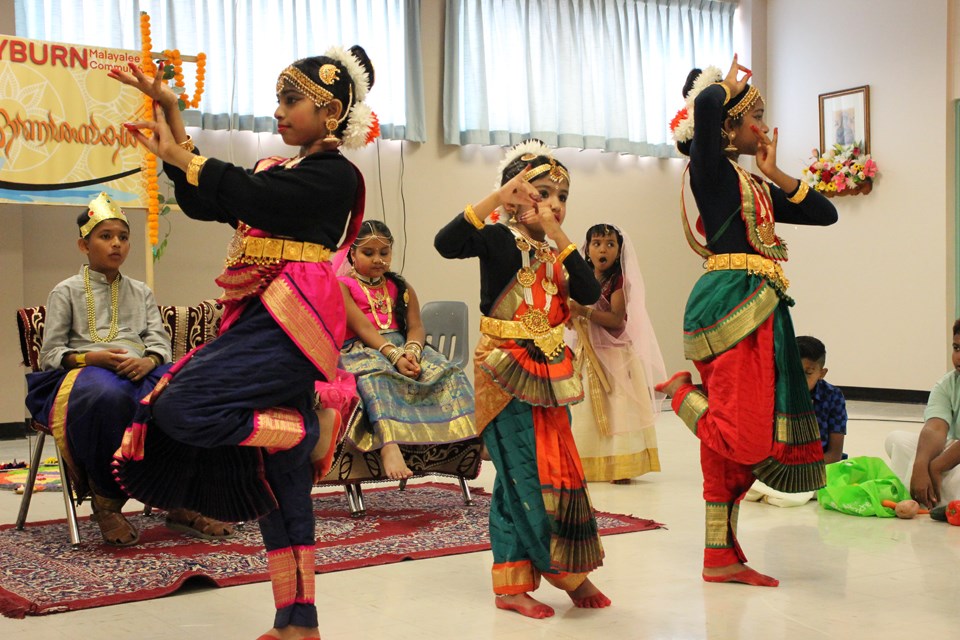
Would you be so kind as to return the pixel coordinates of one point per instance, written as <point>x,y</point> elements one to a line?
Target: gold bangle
<point>80,360</point>
<point>187,144</point>
<point>570,248</point>
<point>801,193</point>
<point>471,216</point>
<point>157,360</point>
<point>588,313</point>
<point>726,92</point>
<point>194,169</point>
<point>385,344</point>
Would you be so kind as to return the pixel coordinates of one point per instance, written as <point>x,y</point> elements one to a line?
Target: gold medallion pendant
<point>526,277</point>
<point>767,234</point>
<point>550,287</point>
<point>522,244</point>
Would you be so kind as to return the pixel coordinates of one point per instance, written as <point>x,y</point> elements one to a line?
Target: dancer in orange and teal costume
<point>542,523</point>
<point>753,417</point>
<point>232,428</point>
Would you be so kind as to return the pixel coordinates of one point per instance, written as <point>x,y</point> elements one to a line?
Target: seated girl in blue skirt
<point>411,394</point>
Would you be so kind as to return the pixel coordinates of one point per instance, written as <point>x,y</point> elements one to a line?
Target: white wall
<point>873,286</point>
<point>876,287</point>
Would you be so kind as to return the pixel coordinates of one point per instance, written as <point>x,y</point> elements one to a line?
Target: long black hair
<point>377,228</point>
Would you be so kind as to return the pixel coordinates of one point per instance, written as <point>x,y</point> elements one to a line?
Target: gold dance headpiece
<point>102,208</point>
<point>750,96</point>
<point>305,85</point>
<point>557,173</point>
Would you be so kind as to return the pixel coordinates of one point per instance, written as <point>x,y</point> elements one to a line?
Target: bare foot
<point>393,463</point>
<point>484,454</point>
<point>738,572</point>
<point>322,454</point>
<point>673,384</point>
<point>525,605</point>
<point>292,632</point>
<point>587,596</point>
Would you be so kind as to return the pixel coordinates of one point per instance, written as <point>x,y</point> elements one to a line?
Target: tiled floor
<point>841,576</point>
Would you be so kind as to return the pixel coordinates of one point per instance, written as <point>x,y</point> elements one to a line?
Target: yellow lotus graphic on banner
<point>61,134</point>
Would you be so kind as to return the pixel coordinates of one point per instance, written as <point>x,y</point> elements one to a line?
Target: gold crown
<point>102,208</point>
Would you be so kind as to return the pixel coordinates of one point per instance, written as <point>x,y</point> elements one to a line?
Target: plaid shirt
<point>831,409</point>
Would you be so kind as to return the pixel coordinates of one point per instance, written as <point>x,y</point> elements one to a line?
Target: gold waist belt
<point>532,325</point>
<point>751,263</point>
<point>261,250</point>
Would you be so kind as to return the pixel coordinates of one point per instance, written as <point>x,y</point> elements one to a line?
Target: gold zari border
<point>694,405</point>
<point>717,530</point>
<point>707,343</point>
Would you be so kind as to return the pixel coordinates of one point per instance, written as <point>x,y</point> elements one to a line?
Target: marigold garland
<point>149,163</point>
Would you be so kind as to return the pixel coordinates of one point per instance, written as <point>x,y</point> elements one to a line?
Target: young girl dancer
<point>754,418</point>
<point>541,519</point>
<point>619,359</point>
<point>237,415</point>
<point>411,394</point>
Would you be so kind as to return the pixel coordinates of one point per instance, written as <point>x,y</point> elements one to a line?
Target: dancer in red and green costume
<point>754,418</point>
<point>541,519</point>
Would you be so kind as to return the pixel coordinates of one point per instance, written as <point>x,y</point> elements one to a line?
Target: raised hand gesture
<point>154,88</point>
<point>732,82</point>
<point>519,192</point>
<point>766,151</point>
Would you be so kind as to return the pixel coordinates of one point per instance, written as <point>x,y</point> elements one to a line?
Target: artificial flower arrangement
<point>841,169</point>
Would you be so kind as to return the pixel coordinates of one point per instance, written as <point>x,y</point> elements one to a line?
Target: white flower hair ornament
<point>362,123</point>
<point>528,149</point>
<point>681,127</point>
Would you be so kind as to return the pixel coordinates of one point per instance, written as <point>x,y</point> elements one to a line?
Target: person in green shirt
<point>926,462</point>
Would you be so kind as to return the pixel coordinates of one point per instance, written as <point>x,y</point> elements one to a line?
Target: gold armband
<point>570,248</point>
<point>471,216</point>
<point>194,169</point>
<point>187,144</point>
<point>726,92</point>
<point>801,193</point>
<point>81,360</point>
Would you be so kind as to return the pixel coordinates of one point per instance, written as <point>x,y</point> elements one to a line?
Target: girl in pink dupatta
<point>620,361</point>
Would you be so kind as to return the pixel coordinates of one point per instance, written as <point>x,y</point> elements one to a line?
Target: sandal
<point>198,525</point>
<point>115,529</point>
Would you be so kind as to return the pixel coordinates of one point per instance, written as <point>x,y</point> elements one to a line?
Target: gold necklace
<point>92,310</point>
<point>379,303</point>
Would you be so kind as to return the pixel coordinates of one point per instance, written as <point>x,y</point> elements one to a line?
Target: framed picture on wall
<point>845,118</point>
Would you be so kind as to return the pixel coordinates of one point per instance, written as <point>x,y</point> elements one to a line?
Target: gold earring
<point>331,141</point>
<point>730,148</point>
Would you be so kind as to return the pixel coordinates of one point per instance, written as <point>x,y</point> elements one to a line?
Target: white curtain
<point>248,43</point>
<point>588,74</point>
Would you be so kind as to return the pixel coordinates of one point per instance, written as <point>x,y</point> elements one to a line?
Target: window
<point>248,43</point>
<point>589,74</point>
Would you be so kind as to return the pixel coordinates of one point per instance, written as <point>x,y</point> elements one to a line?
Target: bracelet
<point>471,216</point>
<point>414,348</point>
<point>395,355</point>
<point>385,344</point>
<point>570,248</point>
<point>157,359</point>
<point>81,360</point>
<point>187,144</point>
<point>726,92</point>
<point>588,314</point>
<point>194,169</point>
<point>801,193</point>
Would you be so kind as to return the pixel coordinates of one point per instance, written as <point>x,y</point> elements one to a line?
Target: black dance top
<point>716,184</point>
<point>500,260</point>
<point>310,202</point>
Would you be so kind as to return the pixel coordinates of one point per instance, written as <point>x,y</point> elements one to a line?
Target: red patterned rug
<point>40,573</point>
